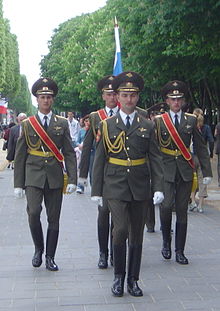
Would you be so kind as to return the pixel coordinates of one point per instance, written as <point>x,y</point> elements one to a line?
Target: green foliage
<point>22,101</point>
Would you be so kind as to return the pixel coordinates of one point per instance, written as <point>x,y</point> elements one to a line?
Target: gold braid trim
<point>28,141</point>
<point>164,143</point>
<point>118,144</point>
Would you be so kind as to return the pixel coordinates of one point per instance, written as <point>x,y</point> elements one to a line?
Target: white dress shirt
<point>124,116</point>
<point>172,114</point>
<point>114,110</point>
<point>41,116</point>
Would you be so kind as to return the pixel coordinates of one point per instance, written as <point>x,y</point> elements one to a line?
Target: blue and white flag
<point>117,64</point>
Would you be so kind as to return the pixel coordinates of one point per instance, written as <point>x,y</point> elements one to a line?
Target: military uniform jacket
<point>89,143</point>
<point>189,132</point>
<point>128,183</point>
<point>32,170</point>
<point>90,140</point>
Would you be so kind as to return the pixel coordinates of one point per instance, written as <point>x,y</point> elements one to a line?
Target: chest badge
<point>141,129</point>
<point>57,128</point>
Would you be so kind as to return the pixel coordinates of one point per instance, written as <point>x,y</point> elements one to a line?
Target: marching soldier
<point>39,169</point>
<point>127,147</point>
<point>110,109</point>
<point>175,131</point>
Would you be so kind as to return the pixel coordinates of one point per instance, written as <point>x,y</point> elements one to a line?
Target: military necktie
<point>110,113</point>
<point>45,123</point>
<point>127,122</point>
<point>176,122</point>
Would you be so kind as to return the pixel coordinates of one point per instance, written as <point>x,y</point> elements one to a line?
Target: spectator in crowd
<point>79,145</point>
<point>14,133</point>
<point>74,127</point>
<point>206,132</point>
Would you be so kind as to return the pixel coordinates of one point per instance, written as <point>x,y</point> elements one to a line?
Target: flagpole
<point>117,69</point>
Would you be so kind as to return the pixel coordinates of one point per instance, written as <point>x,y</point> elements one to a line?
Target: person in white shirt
<point>74,127</point>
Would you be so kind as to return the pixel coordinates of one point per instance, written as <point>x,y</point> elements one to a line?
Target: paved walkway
<point>80,286</point>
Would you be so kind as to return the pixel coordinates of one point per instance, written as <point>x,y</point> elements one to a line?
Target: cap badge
<point>45,80</point>
<point>110,86</point>
<point>45,88</point>
<point>129,75</point>
<point>176,92</point>
<point>111,78</point>
<point>129,84</point>
<point>175,83</point>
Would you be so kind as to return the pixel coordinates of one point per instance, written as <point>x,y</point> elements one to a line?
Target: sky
<point>33,23</point>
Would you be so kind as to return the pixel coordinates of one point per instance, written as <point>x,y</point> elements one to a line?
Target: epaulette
<point>158,116</point>
<point>61,117</point>
<point>93,112</point>
<point>190,114</point>
<point>25,120</point>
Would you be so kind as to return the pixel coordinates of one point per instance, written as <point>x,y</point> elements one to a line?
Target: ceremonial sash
<point>177,139</point>
<point>102,114</point>
<point>45,138</point>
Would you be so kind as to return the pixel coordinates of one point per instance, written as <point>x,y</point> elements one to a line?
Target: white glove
<point>97,199</point>
<point>18,192</point>
<point>158,197</point>
<point>82,181</point>
<point>206,180</point>
<point>70,188</point>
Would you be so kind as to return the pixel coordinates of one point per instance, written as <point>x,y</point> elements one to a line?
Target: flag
<point>117,64</point>
<point>3,106</point>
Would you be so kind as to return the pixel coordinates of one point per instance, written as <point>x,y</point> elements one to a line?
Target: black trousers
<point>104,227</point>
<point>128,219</point>
<point>53,201</point>
<point>177,193</point>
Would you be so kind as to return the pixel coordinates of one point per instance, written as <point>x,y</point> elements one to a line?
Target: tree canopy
<point>13,86</point>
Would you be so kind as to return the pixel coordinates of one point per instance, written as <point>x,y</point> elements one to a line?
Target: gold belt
<point>45,154</point>
<point>174,153</point>
<point>127,162</point>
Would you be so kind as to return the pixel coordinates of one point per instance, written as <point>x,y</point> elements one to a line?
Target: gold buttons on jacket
<point>128,170</point>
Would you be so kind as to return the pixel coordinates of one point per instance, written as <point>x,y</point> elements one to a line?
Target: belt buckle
<point>129,162</point>
<point>46,154</point>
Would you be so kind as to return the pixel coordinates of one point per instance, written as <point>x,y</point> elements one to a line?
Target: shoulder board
<point>60,117</point>
<point>25,120</point>
<point>93,114</point>
<point>190,114</point>
<point>158,116</point>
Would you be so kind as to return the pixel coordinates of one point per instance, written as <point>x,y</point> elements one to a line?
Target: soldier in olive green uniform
<point>126,154</point>
<point>110,109</point>
<point>178,173</point>
<point>39,172</point>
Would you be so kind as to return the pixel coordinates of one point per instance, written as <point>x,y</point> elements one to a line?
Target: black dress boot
<point>37,236</point>
<point>103,260</point>
<point>103,235</point>
<point>181,258</point>
<point>118,286</point>
<point>166,232</point>
<point>166,250</point>
<point>119,269</point>
<point>51,245</point>
<point>181,229</point>
<point>134,263</point>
